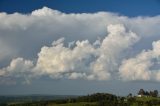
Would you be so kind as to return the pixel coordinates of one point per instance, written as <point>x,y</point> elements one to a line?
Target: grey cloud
<point>27,33</point>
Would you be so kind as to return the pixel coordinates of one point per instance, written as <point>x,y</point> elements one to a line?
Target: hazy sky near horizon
<point>79,47</point>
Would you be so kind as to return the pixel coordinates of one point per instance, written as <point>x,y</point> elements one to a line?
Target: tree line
<point>153,93</point>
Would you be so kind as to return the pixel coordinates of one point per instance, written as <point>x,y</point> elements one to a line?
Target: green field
<point>147,101</point>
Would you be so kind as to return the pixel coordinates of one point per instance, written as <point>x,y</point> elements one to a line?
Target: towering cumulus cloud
<point>90,46</point>
<point>86,60</point>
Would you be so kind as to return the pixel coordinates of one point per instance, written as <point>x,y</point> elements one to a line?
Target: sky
<point>78,47</point>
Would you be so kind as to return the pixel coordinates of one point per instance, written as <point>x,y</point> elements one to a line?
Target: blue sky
<point>124,7</point>
<point>77,47</point>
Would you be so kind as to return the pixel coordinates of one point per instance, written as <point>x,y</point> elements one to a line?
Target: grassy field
<point>145,99</point>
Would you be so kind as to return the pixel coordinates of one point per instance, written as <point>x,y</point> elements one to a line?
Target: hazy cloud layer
<point>92,46</point>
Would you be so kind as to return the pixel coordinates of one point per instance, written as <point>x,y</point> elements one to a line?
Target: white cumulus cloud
<point>18,68</point>
<point>85,60</point>
<point>93,46</point>
<point>141,66</point>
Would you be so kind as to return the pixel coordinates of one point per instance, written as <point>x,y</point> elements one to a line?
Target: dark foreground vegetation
<point>144,98</point>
